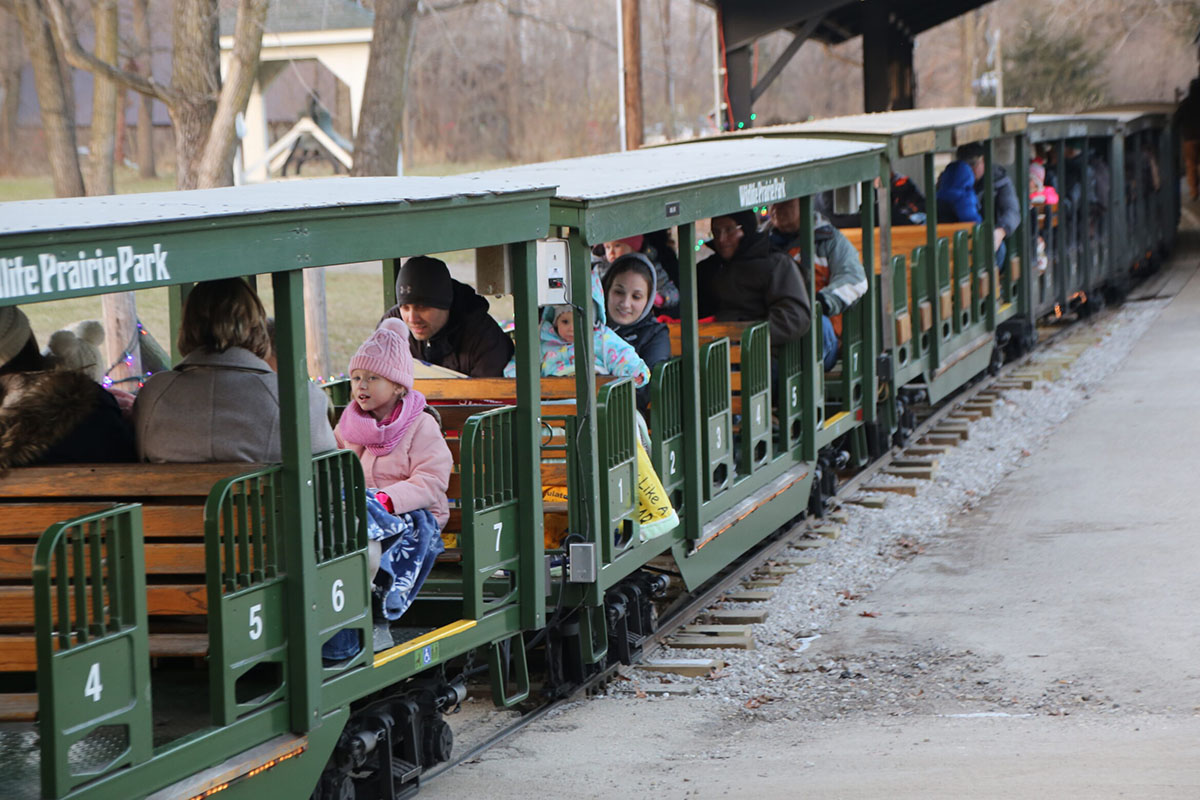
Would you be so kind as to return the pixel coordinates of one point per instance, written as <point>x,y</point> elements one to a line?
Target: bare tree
<point>143,65</point>
<point>58,114</point>
<point>104,102</point>
<point>377,141</point>
<point>11,58</point>
<point>201,107</point>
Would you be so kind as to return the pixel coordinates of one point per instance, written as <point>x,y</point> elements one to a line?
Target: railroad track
<point>676,614</point>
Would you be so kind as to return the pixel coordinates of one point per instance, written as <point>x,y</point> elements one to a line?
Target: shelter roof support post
<point>738,74</point>
<point>801,36</point>
<point>889,82</point>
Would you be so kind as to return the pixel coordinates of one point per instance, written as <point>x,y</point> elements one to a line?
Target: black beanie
<point>424,281</point>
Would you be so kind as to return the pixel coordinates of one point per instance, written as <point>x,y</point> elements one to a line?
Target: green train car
<point>163,624</point>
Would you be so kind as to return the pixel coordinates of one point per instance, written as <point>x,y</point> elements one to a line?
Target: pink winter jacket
<point>416,473</point>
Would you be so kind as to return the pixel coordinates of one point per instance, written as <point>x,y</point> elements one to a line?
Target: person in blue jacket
<point>956,199</point>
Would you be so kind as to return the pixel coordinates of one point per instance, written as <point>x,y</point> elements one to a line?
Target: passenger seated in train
<point>221,402</point>
<point>956,194</point>
<point>612,354</point>
<point>448,322</point>
<point>746,280</point>
<point>907,205</point>
<point>1039,192</point>
<point>52,416</point>
<point>406,464</point>
<point>629,286</point>
<point>665,300</point>
<point>839,275</point>
<point>1006,209</point>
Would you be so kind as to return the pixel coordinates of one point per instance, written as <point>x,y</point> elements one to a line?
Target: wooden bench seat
<point>906,237</point>
<point>173,498</point>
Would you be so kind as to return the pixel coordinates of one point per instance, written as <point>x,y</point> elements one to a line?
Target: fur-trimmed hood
<point>44,418</point>
<point>38,410</point>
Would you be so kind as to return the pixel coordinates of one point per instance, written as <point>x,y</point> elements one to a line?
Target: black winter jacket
<point>1008,213</point>
<point>758,283</point>
<point>60,418</point>
<point>471,342</point>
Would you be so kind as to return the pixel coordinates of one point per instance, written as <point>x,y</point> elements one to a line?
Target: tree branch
<point>79,58</point>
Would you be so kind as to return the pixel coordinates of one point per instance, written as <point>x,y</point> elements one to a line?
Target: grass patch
<point>41,187</point>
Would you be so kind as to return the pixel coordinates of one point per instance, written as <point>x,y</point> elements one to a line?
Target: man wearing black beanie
<point>448,322</point>
<point>746,280</point>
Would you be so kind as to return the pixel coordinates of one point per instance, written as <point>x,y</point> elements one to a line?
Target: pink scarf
<point>358,427</point>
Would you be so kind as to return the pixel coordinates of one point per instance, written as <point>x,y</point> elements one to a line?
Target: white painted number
<point>620,490</point>
<point>795,398</point>
<point>93,688</point>
<point>758,415</point>
<point>672,462</point>
<point>339,597</point>
<point>718,437</point>
<point>256,627</point>
<point>498,527</point>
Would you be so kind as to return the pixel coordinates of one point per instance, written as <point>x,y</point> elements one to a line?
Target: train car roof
<point>81,213</point>
<point>661,186</point>
<point>71,247</point>
<point>1049,127</point>
<point>908,132</point>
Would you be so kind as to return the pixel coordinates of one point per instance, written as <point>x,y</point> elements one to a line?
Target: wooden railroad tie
<point>960,429</point>
<point>868,500</point>
<point>924,451</point>
<point>751,596</point>
<point>735,616</point>
<point>828,531</point>
<point>912,471</point>
<point>737,637</point>
<point>798,562</point>
<point>900,487</point>
<point>963,413</point>
<point>808,544</point>
<point>840,517</point>
<point>780,569</point>
<point>689,667</point>
<point>940,440</point>
<point>985,408</point>
<point>762,583</point>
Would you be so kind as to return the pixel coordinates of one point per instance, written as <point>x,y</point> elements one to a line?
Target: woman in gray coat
<point>221,403</point>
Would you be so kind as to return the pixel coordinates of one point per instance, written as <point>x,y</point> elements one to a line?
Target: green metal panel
<point>617,432</point>
<point>298,515</point>
<point>93,671</point>
<point>491,532</point>
<point>790,403</point>
<point>343,589</point>
<point>755,445</point>
<point>666,427</point>
<point>811,398</point>
<point>247,601</point>
<point>531,578</point>
<point>693,469</point>
<point>715,406</point>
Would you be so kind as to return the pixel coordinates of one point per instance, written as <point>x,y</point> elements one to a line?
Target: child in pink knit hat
<point>402,450</point>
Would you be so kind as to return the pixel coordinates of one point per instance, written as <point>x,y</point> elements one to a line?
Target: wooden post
<point>631,37</point>
<point>316,335</point>
<point>121,339</point>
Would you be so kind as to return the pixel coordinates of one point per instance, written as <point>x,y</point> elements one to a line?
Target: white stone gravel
<point>777,679</point>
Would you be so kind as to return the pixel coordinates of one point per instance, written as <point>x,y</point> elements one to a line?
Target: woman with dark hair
<point>629,289</point>
<point>221,403</point>
<point>52,417</point>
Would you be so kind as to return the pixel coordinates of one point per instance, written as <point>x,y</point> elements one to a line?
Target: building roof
<point>291,16</point>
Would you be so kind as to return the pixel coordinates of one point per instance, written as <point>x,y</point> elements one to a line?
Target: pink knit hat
<point>633,241</point>
<point>386,353</point>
